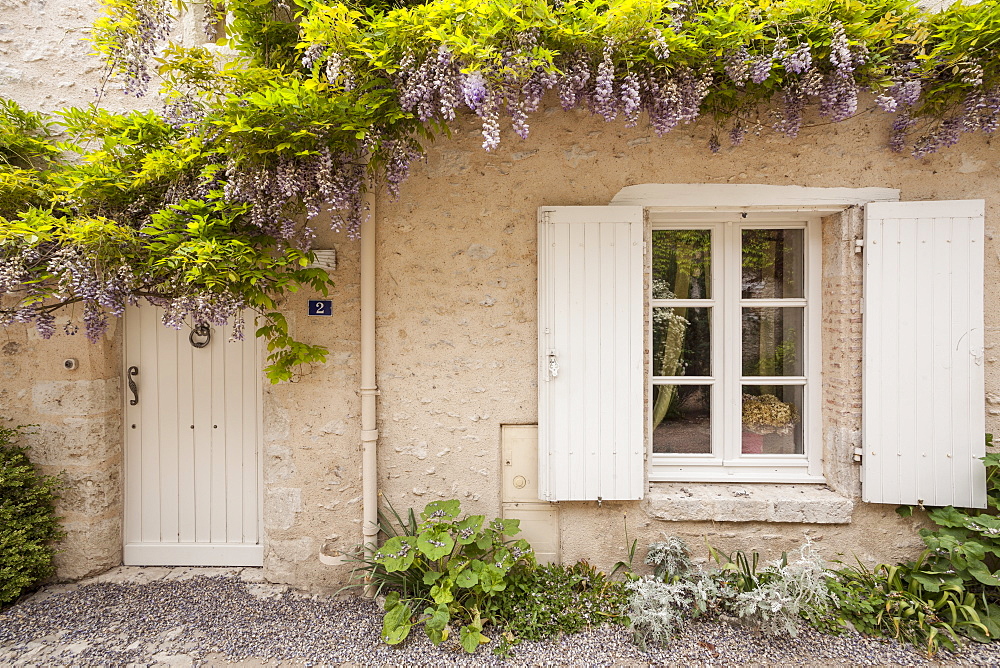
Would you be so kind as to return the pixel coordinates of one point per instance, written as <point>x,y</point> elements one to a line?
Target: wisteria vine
<point>329,100</point>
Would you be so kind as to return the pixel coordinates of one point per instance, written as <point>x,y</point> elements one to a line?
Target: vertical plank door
<point>192,447</point>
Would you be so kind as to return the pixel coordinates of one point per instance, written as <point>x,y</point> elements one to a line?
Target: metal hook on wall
<point>202,331</point>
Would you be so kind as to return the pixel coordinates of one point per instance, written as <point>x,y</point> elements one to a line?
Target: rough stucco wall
<point>456,290</point>
<point>312,456</point>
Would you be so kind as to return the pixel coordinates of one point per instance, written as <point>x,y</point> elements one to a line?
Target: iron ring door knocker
<point>202,332</point>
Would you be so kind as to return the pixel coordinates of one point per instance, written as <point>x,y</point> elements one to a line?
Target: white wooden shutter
<point>924,396</point>
<point>590,363</point>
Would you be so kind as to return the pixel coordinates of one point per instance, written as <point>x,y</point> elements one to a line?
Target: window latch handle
<point>553,365</point>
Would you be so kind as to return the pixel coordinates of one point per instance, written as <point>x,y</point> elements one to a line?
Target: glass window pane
<point>682,419</point>
<point>772,341</point>
<point>682,264</point>
<point>773,264</point>
<point>682,341</point>
<point>772,420</point>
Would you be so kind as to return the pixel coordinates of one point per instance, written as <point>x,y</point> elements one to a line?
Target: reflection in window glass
<point>682,264</point>
<point>773,264</point>
<point>772,341</point>
<point>772,420</point>
<point>682,419</point>
<point>682,341</point>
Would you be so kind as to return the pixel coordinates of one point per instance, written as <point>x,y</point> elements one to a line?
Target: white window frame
<point>726,462</point>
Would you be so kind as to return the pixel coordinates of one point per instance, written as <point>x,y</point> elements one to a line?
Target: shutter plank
<point>924,391</point>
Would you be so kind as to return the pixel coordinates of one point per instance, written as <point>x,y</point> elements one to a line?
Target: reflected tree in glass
<point>681,270</point>
<point>773,268</point>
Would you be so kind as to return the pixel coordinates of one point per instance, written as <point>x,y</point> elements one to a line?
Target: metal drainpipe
<point>369,387</point>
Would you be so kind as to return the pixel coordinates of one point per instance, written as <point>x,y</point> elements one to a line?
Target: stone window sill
<point>805,504</point>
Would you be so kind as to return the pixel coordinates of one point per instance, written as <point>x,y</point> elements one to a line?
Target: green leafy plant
<point>948,592</point>
<point>28,524</point>
<point>445,571</point>
<point>552,600</point>
<point>891,601</point>
<point>964,548</point>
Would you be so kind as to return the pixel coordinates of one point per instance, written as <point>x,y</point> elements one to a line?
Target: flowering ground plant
<point>444,571</point>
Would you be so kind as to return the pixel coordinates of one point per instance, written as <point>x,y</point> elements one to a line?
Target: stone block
<point>90,547</point>
<point>281,505</point>
<point>91,491</point>
<point>283,559</point>
<point>806,504</point>
<point>76,397</point>
<point>77,441</point>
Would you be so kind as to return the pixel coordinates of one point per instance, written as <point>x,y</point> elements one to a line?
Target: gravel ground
<point>180,617</point>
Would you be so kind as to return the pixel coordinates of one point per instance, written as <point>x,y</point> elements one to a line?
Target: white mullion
<point>774,303</point>
<point>773,380</point>
<point>733,361</point>
<point>718,344</point>
<point>683,380</point>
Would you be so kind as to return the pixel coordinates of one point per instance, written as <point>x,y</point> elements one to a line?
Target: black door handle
<point>133,371</point>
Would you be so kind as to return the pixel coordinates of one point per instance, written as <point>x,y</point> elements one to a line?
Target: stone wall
<point>77,435</point>
<point>46,64</point>
<point>457,326</point>
<point>456,330</point>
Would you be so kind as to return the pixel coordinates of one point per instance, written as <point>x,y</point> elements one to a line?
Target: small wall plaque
<point>320,307</point>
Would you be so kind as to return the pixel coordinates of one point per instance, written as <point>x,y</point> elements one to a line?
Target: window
<point>711,371</point>
<point>734,317</point>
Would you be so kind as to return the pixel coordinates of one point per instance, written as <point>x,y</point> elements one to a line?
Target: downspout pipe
<point>369,386</point>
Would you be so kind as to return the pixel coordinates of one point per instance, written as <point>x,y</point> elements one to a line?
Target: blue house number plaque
<point>320,307</point>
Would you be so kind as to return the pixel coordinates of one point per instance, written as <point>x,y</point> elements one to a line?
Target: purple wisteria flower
<point>799,60</point>
<point>605,102</point>
<point>474,90</point>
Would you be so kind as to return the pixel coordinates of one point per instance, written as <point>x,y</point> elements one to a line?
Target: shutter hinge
<point>859,245</point>
<point>858,454</point>
<point>645,247</point>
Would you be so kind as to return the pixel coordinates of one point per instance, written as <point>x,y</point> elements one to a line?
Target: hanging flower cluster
<point>129,34</point>
<point>744,65</point>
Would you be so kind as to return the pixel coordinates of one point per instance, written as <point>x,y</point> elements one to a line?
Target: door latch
<point>553,365</point>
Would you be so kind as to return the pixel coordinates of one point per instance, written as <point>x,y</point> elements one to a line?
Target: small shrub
<point>890,601</point>
<point>551,600</point>
<point>659,609</point>
<point>445,571</point>
<point>772,598</point>
<point>28,525</point>
<point>776,597</point>
<point>669,557</point>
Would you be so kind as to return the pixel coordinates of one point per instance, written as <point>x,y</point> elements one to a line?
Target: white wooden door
<point>192,454</point>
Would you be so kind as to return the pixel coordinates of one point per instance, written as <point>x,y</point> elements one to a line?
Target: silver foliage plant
<point>771,600</point>
<point>787,591</point>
